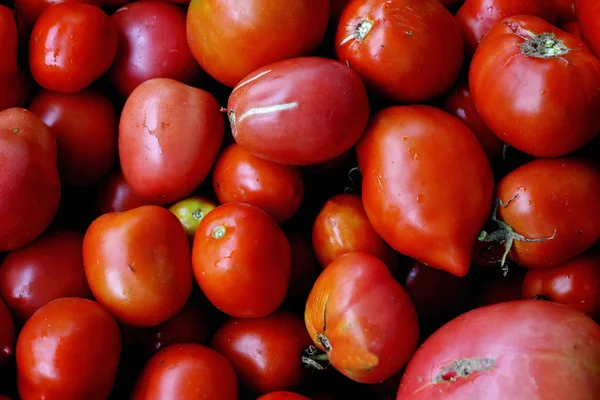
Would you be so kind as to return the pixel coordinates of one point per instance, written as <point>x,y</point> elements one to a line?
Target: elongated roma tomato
<point>299,111</point>
<point>588,15</point>
<point>427,184</point>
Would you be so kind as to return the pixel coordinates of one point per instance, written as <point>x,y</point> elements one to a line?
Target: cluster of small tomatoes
<point>308,199</point>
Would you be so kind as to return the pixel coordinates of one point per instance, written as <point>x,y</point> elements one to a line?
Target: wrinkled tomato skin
<point>169,136</point>
<point>588,12</point>
<point>522,340</point>
<point>68,349</point>
<point>271,27</point>
<point>30,10</point>
<point>9,41</point>
<point>268,109</point>
<point>7,334</point>
<point>115,195</point>
<point>28,163</point>
<point>15,90</point>
<point>282,395</point>
<point>501,76</point>
<point>124,253</point>
<point>279,338</point>
<point>362,318</point>
<point>402,169</point>
<point>236,247</point>
<point>61,64</point>
<point>424,31</point>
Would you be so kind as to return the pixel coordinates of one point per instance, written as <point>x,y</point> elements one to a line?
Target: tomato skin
<point>523,341</point>
<point>424,31</point>
<point>278,338</point>
<point>124,253</point>
<point>15,90</point>
<point>7,333</point>
<point>236,246</point>
<point>8,42</point>
<point>190,212</point>
<point>68,349</point>
<point>59,63</point>
<point>29,173</point>
<point>282,395</point>
<point>368,321</point>
<point>115,194</point>
<point>30,10</point>
<point>588,12</point>
<point>187,372</point>
<point>402,168</point>
<point>161,164</point>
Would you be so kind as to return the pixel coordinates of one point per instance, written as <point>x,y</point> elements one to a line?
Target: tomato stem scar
<point>361,30</point>
<point>198,214</point>
<point>463,368</point>
<point>545,45</point>
<point>218,232</point>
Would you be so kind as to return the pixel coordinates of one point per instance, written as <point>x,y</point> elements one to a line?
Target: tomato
<point>187,372</point>
<point>49,268</point>
<point>566,10</point>
<point>304,265</point>
<point>282,395</point>
<point>29,174</point>
<point>240,176</point>
<point>265,352</point>
<point>259,32</point>
<point>575,283</point>
<point>15,90</point>
<point>342,227</point>
<point>138,264</point>
<point>402,170</point>
<point>506,351</point>
<point>7,333</point>
<point>242,260</point>
<point>190,212</point>
<point>268,111</point>
<point>372,33</point>
<point>68,349</point>
<point>169,136</point>
<point>85,125</point>
<point>115,195</point>
<point>61,64</point>
<point>573,28</point>
<point>477,17</point>
<point>548,211</point>
<point>560,83</point>
<point>8,42</point>
<point>588,12</point>
<point>362,318</point>
<point>156,49</point>
<point>30,10</point>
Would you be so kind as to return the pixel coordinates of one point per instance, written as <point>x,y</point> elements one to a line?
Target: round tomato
<point>30,10</point>
<point>588,13</point>
<point>7,333</point>
<point>169,137</point>
<point>68,349</point>
<point>190,212</point>
<point>536,87</point>
<point>372,33</point>
<point>362,318</point>
<point>138,264</point>
<point>15,90</point>
<point>9,40</point>
<point>427,198</point>
<point>282,395</point>
<point>242,260</point>
<point>115,194</point>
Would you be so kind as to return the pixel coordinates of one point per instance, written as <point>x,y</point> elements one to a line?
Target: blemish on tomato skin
<point>463,369</point>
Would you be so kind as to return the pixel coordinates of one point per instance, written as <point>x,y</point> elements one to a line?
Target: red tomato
<point>15,90</point>
<point>152,44</point>
<point>85,125</point>
<point>282,395</point>
<point>575,283</point>
<point>588,13</point>
<point>138,264</point>
<point>187,372</point>
<point>240,176</point>
<point>436,224</point>
<point>265,352</point>
<point>477,17</point>
<point>30,10</point>
<point>566,10</point>
<point>519,350</point>
<point>362,318</point>
<point>7,333</point>
<point>372,33</point>
<point>242,260</point>
<point>49,268</point>
<point>115,195</point>
<point>68,349</point>
<point>573,28</point>
<point>304,266</point>
<point>258,32</point>
<point>536,87</point>
<point>268,111</point>
<point>30,186</point>
<point>9,41</point>
<point>169,137</point>
<point>62,64</point>
<point>190,212</point>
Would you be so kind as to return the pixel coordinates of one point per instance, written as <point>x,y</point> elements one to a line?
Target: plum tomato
<point>588,12</point>
<point>7,333</point>
<point>30,10</point>
<point>15,90</point>
<point>115,195</point>
<point>190,212</point>
<point>9,42</point>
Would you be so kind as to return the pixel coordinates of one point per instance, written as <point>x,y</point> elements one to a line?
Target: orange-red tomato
<point>9,40</point>
<point>7,333</point>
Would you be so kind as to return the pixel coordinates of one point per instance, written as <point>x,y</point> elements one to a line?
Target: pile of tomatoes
<point>308,199</point>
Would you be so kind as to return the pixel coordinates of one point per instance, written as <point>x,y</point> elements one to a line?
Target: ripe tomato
<point>68,349</point>
<point>9,40</point>
<point>115,194</point>
<point>565,10</point>
<point>372,33</point>
<point>190,212</point>
<point>15,90</point>
<point>138,264</point>
<point>545,82</point>
<point>30,10</point>
<point>28,174</point>
<point>61,64</point>
<point>236,248</point>
<point>505,351</point>
<point>282,395</point>
<point>573,28</point>
<point>187,372</point>
<point>436,224</point>
<point>258,32</point>
<point>156,49</point>
<point>85,125</point>
<point>304,266</point>
<point>7,333</point>
<point>362,318</point>
<point>268,111</point>
<point>265,352</point>
<point>588,12</point>
<point>49,268</point>
<point>169,136</point>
